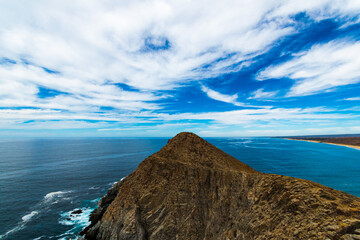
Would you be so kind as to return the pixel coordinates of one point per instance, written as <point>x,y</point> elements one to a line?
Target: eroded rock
<point>192,190</point>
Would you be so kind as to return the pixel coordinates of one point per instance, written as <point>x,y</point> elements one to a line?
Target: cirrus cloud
<point>322,68</point>
<point>120,61</point>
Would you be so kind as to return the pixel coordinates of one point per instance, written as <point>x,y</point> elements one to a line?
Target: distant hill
<point>192,190</point>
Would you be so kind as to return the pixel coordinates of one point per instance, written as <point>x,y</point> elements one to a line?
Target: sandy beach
<point>338,144</point>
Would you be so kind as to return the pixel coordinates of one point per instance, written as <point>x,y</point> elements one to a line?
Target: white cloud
<point>42,114</point>
<point>322,68</point>
<point>262,95</point>
<point>352,99</point>
<point>19,88</point>
<point>103,40</point>
<point>264,115</point>
<point>246,122</point>
<point>52,125</point>
<point>244,116</point>
<point>93,45</point>
<point>221,97</point>
<point>147,128</point>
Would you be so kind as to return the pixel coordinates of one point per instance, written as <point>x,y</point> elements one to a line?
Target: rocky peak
<point>192,190</point>
<point>190,149</point>
<point>185,137</point>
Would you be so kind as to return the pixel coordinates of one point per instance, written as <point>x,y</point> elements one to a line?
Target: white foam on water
<point>20,225</point>
<point>60,236</point>
<point>113,183</point>
<point>15,229</point>
<point>96,200</point>
<point>27,217</point>
<point>38,238</point>
<point>80,220</point>
<point>50,196</point>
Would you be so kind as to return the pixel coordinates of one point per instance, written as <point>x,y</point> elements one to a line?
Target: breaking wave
<point>80,219</point>
<point>20,225</point>
<point>45,204</point>
<point>27,218</point>
<point>54,195</point>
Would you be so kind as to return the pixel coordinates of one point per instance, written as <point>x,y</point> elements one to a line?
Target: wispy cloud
<point>118,62</point>
<point>352,99</point>
<point>262,95</point>
<point>221,97</point>
<point>20,82</point>
<point>248,116</point>
<point>93,48</point>
<point>322,68</point>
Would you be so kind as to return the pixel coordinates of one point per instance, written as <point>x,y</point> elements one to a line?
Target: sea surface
<point>43,180</point>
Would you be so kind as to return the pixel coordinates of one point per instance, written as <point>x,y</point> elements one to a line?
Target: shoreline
<point>338,144</point>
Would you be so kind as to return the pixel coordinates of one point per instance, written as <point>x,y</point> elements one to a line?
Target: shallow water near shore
<point>42,181</point>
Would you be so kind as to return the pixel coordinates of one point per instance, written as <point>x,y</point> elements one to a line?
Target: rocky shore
<point>192,190</point>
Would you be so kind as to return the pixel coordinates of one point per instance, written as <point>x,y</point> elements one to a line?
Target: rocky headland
<point>192,190</point>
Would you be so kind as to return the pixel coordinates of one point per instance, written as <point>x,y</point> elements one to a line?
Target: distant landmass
<point>323,136</point>
<point>192,190</point>
<point>352,140</point>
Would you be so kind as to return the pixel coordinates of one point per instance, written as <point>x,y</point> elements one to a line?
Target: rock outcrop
<point>192,190</point>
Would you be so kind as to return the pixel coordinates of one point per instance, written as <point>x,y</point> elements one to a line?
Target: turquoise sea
<point>43,180</point>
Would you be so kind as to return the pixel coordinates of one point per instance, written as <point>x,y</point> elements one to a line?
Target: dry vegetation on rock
<point>192,190</point>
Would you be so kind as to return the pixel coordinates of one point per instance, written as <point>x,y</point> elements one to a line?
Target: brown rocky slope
<point>192,190</point>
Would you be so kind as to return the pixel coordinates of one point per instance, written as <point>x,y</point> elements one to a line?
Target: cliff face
<point>192,190</point>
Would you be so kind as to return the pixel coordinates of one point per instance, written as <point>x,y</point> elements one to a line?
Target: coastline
<point>314,141</point>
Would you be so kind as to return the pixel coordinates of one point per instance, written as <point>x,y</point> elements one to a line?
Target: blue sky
<point>155,68</point>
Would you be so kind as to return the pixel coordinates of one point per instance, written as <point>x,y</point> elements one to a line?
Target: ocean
<point>42,181</point>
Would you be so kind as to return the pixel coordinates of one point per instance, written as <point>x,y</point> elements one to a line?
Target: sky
<point>153,68</point>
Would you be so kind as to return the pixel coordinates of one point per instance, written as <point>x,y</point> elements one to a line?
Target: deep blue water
<point>43,180</point>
